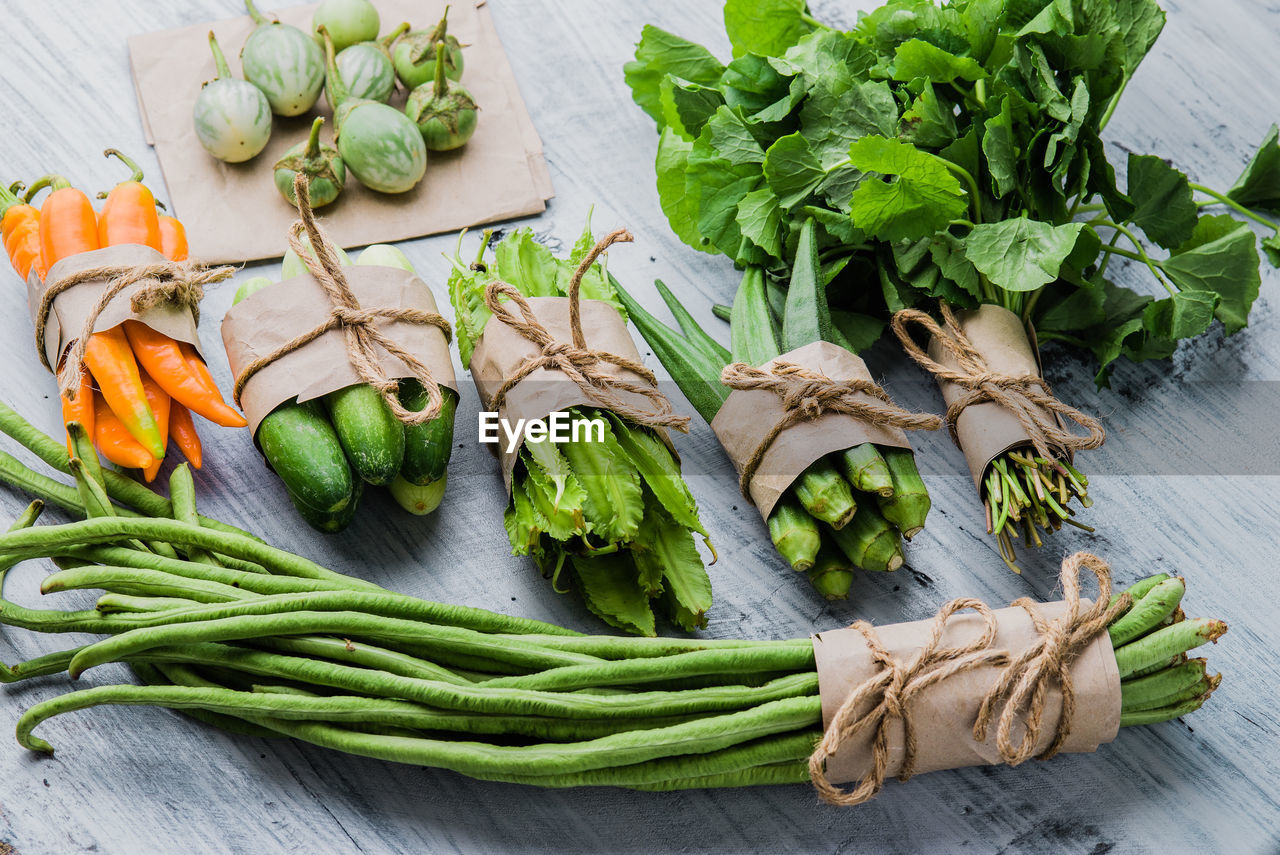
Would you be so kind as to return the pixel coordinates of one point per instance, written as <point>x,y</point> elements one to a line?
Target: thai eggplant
<point>232,117</point>
<point>284,62</point>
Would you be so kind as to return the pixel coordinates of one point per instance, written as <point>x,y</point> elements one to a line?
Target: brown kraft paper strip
<point>986,430</point>
<point>945,709</point>
<point>71,308</point>
<point>501,350</point>
<point>749,415</point>
<point>274,316</point>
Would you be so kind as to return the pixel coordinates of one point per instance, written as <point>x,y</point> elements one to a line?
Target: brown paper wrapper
<point>264,321</point>
<point>943,714</point>
<point>987,430</point>
<point>748,415</point>
<point>233,212</point>
<point>500,350</point>
<point>72,307</point>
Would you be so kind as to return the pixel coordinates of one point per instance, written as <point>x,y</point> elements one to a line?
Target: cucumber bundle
<point>326,449</point>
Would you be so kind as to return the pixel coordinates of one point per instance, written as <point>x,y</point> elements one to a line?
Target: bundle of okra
<point>259,641</point>
<point>847,510</point>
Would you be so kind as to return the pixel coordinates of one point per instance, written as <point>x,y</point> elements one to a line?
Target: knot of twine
<point>806,395</point>
<point>581,364</point>
<point>1027,396</point>
<point>1017,696</point>
<point>359,324</point>
<point>178,282</point>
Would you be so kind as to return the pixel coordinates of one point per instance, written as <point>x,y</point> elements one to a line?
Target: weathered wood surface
<point>1187,484</point>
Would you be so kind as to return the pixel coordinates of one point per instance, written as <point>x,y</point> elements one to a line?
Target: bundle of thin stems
<point>1024,494</point>
<point>259,641</point>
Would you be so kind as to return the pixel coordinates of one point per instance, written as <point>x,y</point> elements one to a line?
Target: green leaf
<point>1041,80</point>
<point>864,108</point>
<point>921,199</point>
<point>859,331</point>
<point>948,252</point>
<point>792,169</point>
<point>1163,205</point>
<point>750,83</point>
<point>918,58</point>
<point>1139,22</point>
<point>1259,185</point>
<point>760,219</point>
<point>672,166</point>
<point>1081,308</point>
<point>1021,254</point>
<point>766,27</point>
<point>1271,245</point>
<point>1102,178</point>
<point>612,592</point>
<point>732,139</point>
<point>668,546</point>
<point>1186,314</point>
<point>660,471</point>
<point>718,185</point>
<point>528,265</point>
<point>687,106</point>
<point>1226,265</point>
<point>931,121</point>
<point>1000,150</point>
<point>1056,17</point>
<point>612,496</point>
<point>660,53</point>
<point>839,226</point>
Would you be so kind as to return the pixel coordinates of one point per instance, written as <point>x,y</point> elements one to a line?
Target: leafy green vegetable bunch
<point>950,152</point>
<point>614,516</point>
<point>954,153</point>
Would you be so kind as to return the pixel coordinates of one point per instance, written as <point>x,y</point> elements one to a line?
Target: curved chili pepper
<point>173,238</point>
<point>116,372</point>
<point>68,224</point>
<point>183,430</point>
<point>114,440</point>
<point>160,404</point>
<point>81,409</point>
<point>167,362</point>
<point>129,214</point>
<point>20,229</point>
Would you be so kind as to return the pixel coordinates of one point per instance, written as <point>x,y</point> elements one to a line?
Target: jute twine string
<point>581,364</point>
<point>806,395</point>
<point>1017,696</point>
<point>178,282</point>
<point>364,338</point>
<point>1027,396</point>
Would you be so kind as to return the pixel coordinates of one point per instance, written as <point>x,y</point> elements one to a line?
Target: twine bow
<point>1017,696</point>
<point>1027,396</point>
<point>359,325</point>
<point>806,395</point>
<point>580,363</point>
<point>178,282</point>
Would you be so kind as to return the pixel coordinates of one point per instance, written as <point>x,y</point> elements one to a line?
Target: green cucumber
<point>418,499</point>
<point>371,435</point>
<point>303,449</point>
<point>427,446</point>
<point>329,522</point>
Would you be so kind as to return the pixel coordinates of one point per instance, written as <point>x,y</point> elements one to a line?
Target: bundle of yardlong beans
<point>257,640</point>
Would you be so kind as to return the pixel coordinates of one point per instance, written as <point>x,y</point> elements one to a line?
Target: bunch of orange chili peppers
<point>138,387</point>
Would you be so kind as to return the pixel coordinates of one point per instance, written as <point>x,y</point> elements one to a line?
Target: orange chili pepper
<point>173,238</point>
<point>116,372</point>
<point>159,401</point>
<point>20,230</point>
<point>129,214</point>
<point>166,361</point>
<point>114,440</point>
<point>183,430</point>
<point>68,225</point>
<point>80,410</point>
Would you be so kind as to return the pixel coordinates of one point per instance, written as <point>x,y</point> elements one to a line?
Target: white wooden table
<point>1186,484</point>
